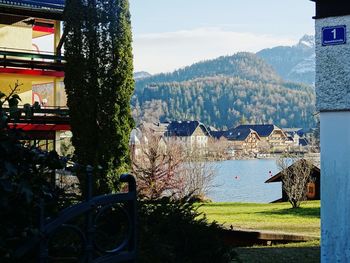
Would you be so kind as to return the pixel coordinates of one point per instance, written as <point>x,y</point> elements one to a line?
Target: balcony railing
<point>52,115</point>
<point>10,58</point>
<point>41,4</point>
<point>49,9</point>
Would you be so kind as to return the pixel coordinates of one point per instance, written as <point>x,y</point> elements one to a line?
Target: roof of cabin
<point>264,130</point>
<point>278,176</point>
<point>185,128</point>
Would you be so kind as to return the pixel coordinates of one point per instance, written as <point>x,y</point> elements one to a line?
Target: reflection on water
<point>243,181</point>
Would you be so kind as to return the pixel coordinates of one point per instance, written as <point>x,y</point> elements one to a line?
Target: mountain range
<point>294,63</point>
<point>268,87</point>
<point>141,75</point>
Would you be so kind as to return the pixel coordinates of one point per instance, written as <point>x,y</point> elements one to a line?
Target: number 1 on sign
<point>334,31</point>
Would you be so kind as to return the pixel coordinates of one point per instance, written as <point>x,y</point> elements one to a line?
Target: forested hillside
<point>225,92</point>
<point>244,65</point>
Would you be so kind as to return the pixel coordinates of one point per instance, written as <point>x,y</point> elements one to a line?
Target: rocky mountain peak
<point>307,41</point>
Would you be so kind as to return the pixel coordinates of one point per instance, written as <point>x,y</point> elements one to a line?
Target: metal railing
<point>95,210</point>
<point>47,115</point>
<point>51,4</point>
<point>31,60</point>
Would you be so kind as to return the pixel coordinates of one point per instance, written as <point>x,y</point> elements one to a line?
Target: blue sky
<point>169,34</point>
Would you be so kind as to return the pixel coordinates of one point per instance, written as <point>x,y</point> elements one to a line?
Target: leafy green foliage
<point>25,174</point>
<point>99,89</point>
<point>174,231</point>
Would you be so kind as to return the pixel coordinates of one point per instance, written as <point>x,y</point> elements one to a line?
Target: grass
<point>306,252</point>
<point>278,217</point>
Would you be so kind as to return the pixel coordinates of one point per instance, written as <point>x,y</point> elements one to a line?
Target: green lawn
<point>306,252</point>
<point>278,217</point>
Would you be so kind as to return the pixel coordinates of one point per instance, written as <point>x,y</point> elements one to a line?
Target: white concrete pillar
<point>333,102</point>
<point>335,187</point>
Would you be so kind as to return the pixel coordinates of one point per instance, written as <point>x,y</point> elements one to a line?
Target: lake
<point>243,181</point>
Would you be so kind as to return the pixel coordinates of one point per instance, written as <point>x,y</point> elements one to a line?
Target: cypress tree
<point>99,85</point>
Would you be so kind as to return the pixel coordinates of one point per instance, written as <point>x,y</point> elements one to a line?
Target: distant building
<point>243,140</point>
<point>218,134</point>
<point>297,135</point>
<point>156,128</point>
<point>294,135</point>
<point>270,136</point>
<point>303,142</point>
<point>135,142</point>
<point>141,138</point>
<point>193,135</point>
<point>298,131</point>
<point>218,145</point>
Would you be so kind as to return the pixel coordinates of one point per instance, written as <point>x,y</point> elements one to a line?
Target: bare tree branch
<point>296,174</point>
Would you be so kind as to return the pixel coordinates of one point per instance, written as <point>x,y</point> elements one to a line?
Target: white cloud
<point>164,52</point>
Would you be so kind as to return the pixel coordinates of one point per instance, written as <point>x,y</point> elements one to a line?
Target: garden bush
<point>25,181</point>
<point>172,230</point>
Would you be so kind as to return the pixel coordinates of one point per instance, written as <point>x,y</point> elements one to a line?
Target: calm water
<point>243,181</point>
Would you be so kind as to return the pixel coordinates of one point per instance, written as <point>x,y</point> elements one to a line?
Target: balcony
<point>47,115</point>
<point>49,9</point>
<point>25,59</point>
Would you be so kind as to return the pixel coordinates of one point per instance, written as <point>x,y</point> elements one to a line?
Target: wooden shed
<point>313,188</point>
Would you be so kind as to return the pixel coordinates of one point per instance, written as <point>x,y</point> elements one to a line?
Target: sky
<point>170,34</point>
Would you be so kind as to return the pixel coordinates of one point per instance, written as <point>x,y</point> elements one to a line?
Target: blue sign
<point>333,35</point>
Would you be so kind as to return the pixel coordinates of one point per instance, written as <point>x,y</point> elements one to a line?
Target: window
<point>311,190</point>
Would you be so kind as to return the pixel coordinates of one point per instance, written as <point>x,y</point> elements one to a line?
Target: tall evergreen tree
<point>99,85</point>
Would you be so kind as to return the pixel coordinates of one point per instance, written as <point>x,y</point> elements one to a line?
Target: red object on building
<point>44,29</point>
<point>33,72</point>
<point>41,127</point>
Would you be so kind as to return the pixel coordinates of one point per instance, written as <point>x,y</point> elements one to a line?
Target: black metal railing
<point>30,60</point>
<point>93,236</point>
<point>32,115</point>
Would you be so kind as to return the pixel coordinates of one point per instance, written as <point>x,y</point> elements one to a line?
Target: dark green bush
<point>25,174</point>
<point>174,231</point>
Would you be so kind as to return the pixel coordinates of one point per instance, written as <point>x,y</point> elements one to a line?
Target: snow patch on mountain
<point>306,41</point>
<point>294,63</point>
<point>141,75</point>
<point>307,65</point>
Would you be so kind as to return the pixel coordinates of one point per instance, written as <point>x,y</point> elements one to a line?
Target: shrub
<point>25,174</point>
<point>174,231</point>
